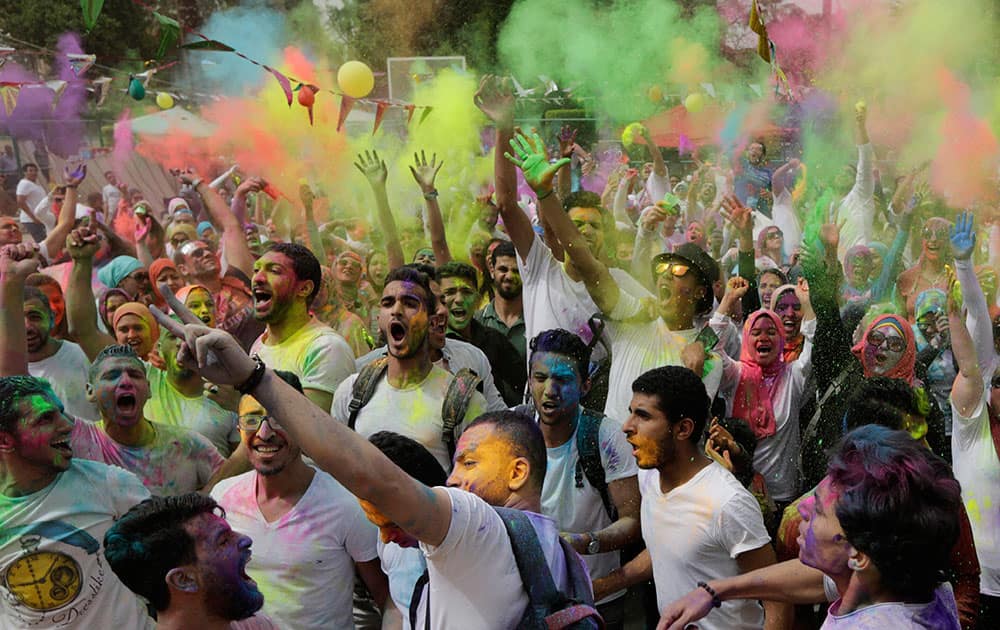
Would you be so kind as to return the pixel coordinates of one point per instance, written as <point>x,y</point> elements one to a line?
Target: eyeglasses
<point>896,344</point>
<point>933,235</point>
<point>139,276</point>
<point>252,422</point>
<point>774,234</point>
<point>676,269</point>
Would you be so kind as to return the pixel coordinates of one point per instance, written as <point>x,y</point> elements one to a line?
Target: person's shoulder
<point>257,622</point>
<point>233,484</point>
<point>104,479</point>
<point>192,439</point>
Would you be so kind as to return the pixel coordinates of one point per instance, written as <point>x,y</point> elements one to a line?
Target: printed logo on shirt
<point>45,583</point>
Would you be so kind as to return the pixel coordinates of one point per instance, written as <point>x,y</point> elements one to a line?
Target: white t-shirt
<point>315,353</point>
<point>177,462</point>
<point>303,562</point>
<point>474,581</point>
<point>694,534</point>
<point>553,300</point>
<point>34,195</point>
<point>414,411</point>
<point>856,211</point>
<point>111,196</point>
<point>977,468</point>
<point>66,372</point>
<point>941,613</point>
<point>776,457</point>
<point>200,414</point>
<point>639,346</point>
<point>577,507</point>
<point>403,566</point>
<point>53,573</point>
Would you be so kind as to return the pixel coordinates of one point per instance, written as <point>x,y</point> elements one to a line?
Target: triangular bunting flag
<point>208,45</point>
<point>170,32</point>
<point>4,52</point>
<point>58,87</point>
<point>8,95</point>
<point>91,10</point>
<point>102,87</point>
<point>346,103</point>
<point>757,26</point>
<point>283,81</point>
<point>409,112</point>
<point>379,112</point>
<point>80,63</point>
<point>424,115</point>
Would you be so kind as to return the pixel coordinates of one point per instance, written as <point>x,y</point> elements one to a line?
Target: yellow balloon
<point>356,79</point>
<point>694,102</point>
<point>164,100</point>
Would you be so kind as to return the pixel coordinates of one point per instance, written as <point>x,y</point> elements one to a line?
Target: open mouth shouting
<point>126,404</point>
<point>789,324</point>
<point>243,569</point>
<point>63,445</point>
<point>397,331</point>
<point>262,297</point>
<point>458,313</point>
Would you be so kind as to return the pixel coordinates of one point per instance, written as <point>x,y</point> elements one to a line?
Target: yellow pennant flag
<point>757,26</point>
<point>8,95</point>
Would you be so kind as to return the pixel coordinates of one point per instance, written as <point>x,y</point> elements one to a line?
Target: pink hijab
<point>755,391</point>
<point>904,368</point>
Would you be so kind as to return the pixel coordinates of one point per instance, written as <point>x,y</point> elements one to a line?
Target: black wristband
<point>545,194</point>
<point>716,602</point>
<point>254,379</point>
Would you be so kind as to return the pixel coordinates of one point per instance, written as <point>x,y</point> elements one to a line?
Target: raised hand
<point>306,196</point>
<point>425,173</point>
<point>567,141</point>
<point>188,176</point>
<point>143,223</point>
<point>738,215</point>
<point>963,236</point>
<point>249,185</point>
<point>829,236</point>
<point>83,243</point>
<point>736,288</point>
<point>372,167</point>
<point>18,261</point>
<point>651,218</point>
<point>76,176</point>
<point>495,98</point>
<point>533,162</point>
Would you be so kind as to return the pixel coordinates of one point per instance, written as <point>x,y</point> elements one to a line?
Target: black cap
<point>699,260</point>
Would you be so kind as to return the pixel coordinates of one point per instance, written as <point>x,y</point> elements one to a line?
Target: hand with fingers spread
<point>567,141</point>
<point>372,167</point>
<point>18,261</point>
<point>214,354</point>
<point>721,446</point>
<point>495,98</point>
<point>74,177</point>
<point>963,236</point>
<point>532,161</point>
<point>425,173</point>
<point>738,215</point>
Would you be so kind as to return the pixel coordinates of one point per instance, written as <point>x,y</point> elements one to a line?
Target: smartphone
<point>708,338</point>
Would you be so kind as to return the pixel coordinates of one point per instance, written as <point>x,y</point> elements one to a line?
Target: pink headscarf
<point>754,393</point>
<point>904,368</point>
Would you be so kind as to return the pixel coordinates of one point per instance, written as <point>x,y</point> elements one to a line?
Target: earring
<point>853,565</point>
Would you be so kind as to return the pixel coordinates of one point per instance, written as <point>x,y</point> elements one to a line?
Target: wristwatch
<point>594,546</point>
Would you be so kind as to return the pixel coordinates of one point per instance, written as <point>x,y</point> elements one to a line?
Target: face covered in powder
<point>821,540</point>
<point>269,449</point>
<point>789,309</point>
<point>460,297</point>
<point>484,464</point>
<point>403,318</point>
<point>765,341</point>
<point>649,432</point>
<point>41,435</point>
<point>388,531</point>
<point>222,557</point>
<point>935,240</point>
<point>120,390</point>
<point>884,347</point>
<point>556,387</point>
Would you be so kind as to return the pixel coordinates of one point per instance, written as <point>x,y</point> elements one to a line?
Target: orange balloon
<point>307,96</point>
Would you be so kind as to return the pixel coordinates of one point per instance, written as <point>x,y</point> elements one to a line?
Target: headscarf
<point>904,367</point>
<point>793,347</point>
<point>102,304</point>
<point>117,269</point>
<point>203,227</point>
<point>857,250</point>
<point>139,310</point>
<point>183,292</point>
<point>155,268</point>
<point>753,400</point>
<point>178,203</point>
<point>930,300</point>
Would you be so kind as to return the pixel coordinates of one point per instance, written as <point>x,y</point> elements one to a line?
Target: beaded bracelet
<point>716,602</point>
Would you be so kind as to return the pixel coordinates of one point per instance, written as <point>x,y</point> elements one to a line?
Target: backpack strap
<point>995,432</point>
<point>456,403</point>
<point>364,387</point>
<point>588,445</point>
<point>547,606</point>
<point>418,590</point>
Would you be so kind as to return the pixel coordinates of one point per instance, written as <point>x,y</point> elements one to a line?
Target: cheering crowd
<point>735,396</point>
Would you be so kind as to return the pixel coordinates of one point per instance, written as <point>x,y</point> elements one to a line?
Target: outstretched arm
<point>238,254</point>
<point>374,170</point>
<point>17,262</point>
<point>358,465</point>
<point>425,174</point>
<point>963,243</point>
<point>967,389</point>
<point>56,239</point>
<point>81,309</point>
<point>567,140</point>
<point>538,173</point>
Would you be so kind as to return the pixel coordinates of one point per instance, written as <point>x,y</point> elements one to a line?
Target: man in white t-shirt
<point>54,511</point>
<point>598,520</point>
<point>29,195</point>
<point>698,522</point>
<point>408,399</point>
<point>500,460</point>
<point>285,281</point>
<point>177,398</point>
<point>169,460</point>
<point>310,534</point>
<point>181,556</point>
<point>645,332</point>
<point>875,537</point>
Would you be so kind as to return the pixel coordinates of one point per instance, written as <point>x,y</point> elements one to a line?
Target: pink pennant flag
<point>379,112</point>
<point>684,145</point>
<point>283,81</point>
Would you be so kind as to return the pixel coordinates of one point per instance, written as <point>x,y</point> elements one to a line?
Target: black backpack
<point>456,400</point>
<point>600,371</point>
<point>548,607</point>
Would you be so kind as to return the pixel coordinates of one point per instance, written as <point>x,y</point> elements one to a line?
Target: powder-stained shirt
<point>315,353</point>
<point>176,462</point>
<point>200,414</point>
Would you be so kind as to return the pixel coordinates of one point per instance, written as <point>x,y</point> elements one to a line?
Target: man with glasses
<point>309,532</point>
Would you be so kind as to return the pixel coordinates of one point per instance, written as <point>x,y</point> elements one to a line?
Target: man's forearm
<point>638,569</point>
<point>791,582</point>
<point>622,532</point>
<point>13,351</point>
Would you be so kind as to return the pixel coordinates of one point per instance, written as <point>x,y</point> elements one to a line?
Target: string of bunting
<point>169,34</point>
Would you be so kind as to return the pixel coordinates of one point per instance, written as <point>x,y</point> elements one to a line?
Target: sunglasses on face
<point>896,344</point>
<point>933,235</point>
<point>252,422</point>
<point>774,234</point>
<point>676,269</point>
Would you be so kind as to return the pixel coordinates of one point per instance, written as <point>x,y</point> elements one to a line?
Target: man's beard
<point>232,601</point>
<point>510,294</point>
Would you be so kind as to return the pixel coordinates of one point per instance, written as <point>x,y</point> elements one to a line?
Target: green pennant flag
<point>209,45</point>
<point>91,11</point>
<point>170,32</point>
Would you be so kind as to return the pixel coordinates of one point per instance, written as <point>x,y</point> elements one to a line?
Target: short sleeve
<point>206,457</point>
<point>342,399</point>
<point>740,526</point>
<point>124,489</point>
<point>539,258</point>
<point>23,187</point>
<point>329,361</point>
<point>630,308</point>
<point>361,541</point>
<point>474,527</point>
<point>616,452</point>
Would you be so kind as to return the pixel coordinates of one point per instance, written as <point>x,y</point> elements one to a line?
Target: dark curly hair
<point>899,503</point>
<point>304,263</point>
<point>559,341</point>
<point>680,394</point>
<point>13,390</point>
